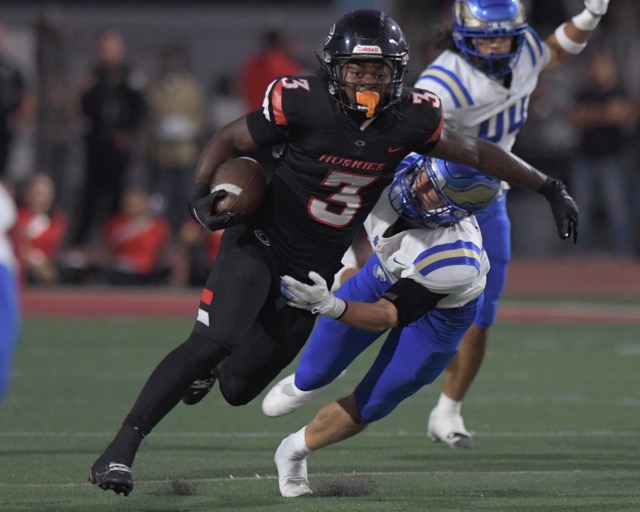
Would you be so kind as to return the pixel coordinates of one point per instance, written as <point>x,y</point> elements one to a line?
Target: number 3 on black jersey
<point>346,197</point>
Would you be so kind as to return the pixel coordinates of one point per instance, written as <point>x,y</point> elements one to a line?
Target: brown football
<point>245,182</point>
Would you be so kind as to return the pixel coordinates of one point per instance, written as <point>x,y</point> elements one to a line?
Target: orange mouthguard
<point>369,99</point>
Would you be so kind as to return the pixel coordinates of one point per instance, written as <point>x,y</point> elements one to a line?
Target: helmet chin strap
<point>369,101</point>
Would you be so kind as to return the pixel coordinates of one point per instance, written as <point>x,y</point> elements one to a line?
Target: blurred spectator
<point>547,141</point>
<point>225,103</point>
<point>274,59</point>
<point>199,248</point>
<point>176,120</point>
<point>39,231</point>
<point>12,99</point>
<point>604,115</point>
<point>10,316</point>
<point>57,127</point>
<point>546,15</point>
<point>136,243</point>
<point>113,105</point>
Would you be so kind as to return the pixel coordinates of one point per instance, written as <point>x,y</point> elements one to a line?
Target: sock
<point>124,447</point>
<point>161,393</point>
<point>299,445</point>
<point>449,404</point>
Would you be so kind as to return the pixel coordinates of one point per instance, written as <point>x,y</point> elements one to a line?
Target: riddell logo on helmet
<point>367,49</point>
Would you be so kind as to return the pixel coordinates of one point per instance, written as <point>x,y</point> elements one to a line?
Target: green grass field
<point>556,410</point>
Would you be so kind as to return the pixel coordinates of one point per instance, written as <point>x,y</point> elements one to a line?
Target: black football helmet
<point>361,35</point>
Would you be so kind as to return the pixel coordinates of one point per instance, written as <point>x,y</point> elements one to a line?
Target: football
<point>245,182</point>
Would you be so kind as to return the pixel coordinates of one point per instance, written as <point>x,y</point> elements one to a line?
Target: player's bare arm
<point>494,161</point>
<point>378,316</point>
<point>230,139</point>
<point>488,158</point>
<point>403,303</point>
<point>570,38</point>
<point>317,298</point>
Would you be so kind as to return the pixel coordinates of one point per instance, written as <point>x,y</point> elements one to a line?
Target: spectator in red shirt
<point>39,231</point>
<point>273,60</point>
<point>259,70</point>
<point>137,241</point>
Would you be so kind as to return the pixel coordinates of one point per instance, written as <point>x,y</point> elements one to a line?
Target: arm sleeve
<point>412,300</point>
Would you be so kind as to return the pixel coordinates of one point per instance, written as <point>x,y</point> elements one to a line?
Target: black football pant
<point>242,319</point>
<point>248,315</point>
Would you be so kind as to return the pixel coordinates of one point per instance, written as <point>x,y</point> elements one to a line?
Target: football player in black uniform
<point>344,134</point>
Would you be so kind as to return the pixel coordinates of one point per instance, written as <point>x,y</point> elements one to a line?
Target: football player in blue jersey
<point>424,282</point>
<point>9,304</point>
<point>485,80</point>
<point>344,134</point>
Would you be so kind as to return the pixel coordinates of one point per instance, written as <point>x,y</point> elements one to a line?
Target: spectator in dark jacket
<point>113,106</point>
<point>12,94</point>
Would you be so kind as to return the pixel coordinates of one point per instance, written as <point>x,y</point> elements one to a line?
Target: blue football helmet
<point>462,190</point>
<point>365,34</point>
<point>489,18</point>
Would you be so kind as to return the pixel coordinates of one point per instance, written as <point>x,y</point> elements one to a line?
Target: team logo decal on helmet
<point>361,35</point>
<point>463,191</point>
<point>473,19</point>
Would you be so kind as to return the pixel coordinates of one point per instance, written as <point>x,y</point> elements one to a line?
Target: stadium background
<point>220,34</point>
<point>555,410</point>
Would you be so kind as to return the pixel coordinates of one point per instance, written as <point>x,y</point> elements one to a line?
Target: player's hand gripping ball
<point>245,184</point>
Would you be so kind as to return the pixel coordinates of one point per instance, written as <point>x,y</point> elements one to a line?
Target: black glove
<point>202,207</point>
<point>564,208</point>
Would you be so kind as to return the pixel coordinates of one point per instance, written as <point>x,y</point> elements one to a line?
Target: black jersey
<point>334,168</point>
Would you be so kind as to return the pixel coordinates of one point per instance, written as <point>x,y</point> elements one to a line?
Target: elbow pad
<point>412,300</point>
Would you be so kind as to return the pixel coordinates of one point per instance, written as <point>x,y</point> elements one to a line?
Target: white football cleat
<point>285,397</point>
<point>292,470</point>
<point>448,427</point>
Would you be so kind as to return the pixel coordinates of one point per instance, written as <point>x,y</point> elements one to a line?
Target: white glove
<point>597,7</point>
<point>315,298</point>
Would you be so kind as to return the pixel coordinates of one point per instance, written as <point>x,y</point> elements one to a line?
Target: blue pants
<point>9,325</point>
<point>410,358</point>
<point>495,227</point>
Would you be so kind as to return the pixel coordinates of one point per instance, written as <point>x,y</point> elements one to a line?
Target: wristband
<point>567,44</point>
<point>332,306</point>
<point>346,306</point>
<point>586,21</point>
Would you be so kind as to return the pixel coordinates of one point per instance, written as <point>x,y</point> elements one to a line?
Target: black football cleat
<point>113,476</point>
<point>199,389</point>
